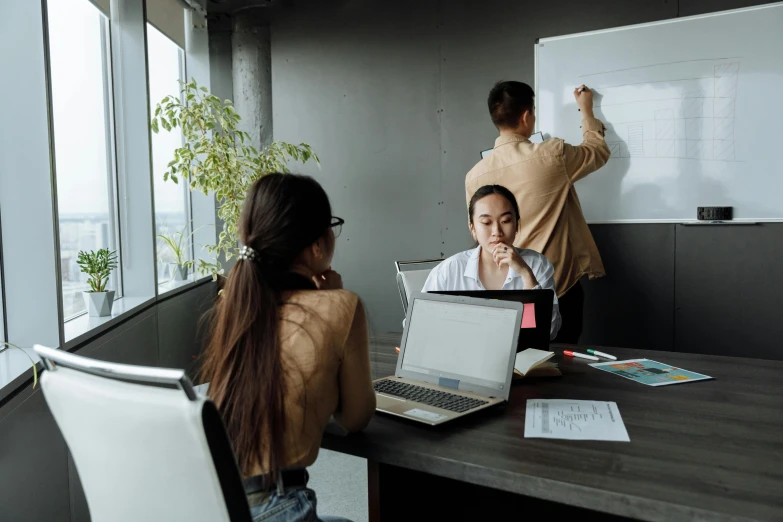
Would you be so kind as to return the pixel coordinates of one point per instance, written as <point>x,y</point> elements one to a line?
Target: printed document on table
<point>651,373</point>
<point>574,420</point>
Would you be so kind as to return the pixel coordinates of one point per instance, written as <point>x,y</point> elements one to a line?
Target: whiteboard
<point>693,109</point>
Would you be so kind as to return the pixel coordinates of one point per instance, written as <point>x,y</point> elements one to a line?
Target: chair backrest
<point>411,276</point>
<point>143,451</point>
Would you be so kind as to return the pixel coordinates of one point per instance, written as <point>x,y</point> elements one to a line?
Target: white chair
<point>411,277</point>
<point>146,447</point>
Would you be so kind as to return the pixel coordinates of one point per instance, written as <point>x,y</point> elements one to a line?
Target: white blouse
<point>461,272</point>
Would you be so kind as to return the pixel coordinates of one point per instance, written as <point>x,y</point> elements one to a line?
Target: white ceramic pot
<point>99,303</point>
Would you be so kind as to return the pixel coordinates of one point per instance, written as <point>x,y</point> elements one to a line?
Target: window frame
<point>186,186</point>
<point>31,303</point>
<point>164,287</point>
<point>3,318</point>
<point>110,144</point>
<point>112,179</point>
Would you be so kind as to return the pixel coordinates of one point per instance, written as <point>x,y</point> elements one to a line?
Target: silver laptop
<point>456,358</point>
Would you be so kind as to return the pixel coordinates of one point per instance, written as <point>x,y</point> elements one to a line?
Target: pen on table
<point>601,354</point>
<point>579,355</point>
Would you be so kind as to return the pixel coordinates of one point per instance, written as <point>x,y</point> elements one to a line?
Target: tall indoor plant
<point>98,266</point>
<point>217,157</point>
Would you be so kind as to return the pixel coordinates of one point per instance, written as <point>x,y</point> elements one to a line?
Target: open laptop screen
<point>460,341</point>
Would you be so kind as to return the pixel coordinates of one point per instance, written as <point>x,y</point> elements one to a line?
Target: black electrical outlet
<point>714,213</point>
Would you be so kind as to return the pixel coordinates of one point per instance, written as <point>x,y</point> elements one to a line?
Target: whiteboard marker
<point>601,354</point>
<point>579,355</point>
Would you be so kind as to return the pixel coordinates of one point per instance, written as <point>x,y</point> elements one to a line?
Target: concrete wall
<point>392,96</point>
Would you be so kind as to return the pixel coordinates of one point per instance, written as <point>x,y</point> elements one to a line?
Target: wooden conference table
<point>709,450</point>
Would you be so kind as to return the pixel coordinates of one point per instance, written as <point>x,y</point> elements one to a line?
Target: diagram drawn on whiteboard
<point>671,110</point>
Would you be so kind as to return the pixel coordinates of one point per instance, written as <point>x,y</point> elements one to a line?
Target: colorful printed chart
<point>651,373</point>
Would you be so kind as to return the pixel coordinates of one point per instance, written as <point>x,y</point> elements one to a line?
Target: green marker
<point>601,354</point>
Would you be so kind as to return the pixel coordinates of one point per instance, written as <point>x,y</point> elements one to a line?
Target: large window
<point>172,200</point>
<point>83,141</point>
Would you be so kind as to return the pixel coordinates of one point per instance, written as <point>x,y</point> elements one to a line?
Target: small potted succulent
<point>179,243</point>
<point>98,266</point>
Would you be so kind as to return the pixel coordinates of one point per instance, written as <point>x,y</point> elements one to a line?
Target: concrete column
<point>220,81</point>
<point>252,74</point>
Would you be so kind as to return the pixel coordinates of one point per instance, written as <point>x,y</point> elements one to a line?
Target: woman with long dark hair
<point>288,347</point>
<point>495,264</point>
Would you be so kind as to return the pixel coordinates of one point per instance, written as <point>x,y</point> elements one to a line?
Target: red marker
<point>579,355</point>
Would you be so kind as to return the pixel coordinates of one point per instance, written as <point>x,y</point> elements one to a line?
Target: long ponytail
<point>243,366</point>
<point>282,215</point>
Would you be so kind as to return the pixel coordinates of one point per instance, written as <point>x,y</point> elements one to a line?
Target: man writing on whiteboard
<point>542,178</point>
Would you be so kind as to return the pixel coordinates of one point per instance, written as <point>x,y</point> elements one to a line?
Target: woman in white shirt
<point>493,218</point>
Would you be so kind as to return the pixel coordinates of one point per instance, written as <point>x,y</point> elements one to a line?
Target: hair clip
<point>247,253</point>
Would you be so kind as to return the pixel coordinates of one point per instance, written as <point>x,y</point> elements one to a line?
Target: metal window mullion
<point>119,158</point>
<point>186,183</point>
<point>3,319</point>
<point>111,159</point>
<point>203,206</point>
<point>151,178</point>
<point>53,175</point>
<point>133,143</point>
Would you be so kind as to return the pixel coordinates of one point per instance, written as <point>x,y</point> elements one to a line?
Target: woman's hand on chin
<point>504,254</point>
<point>329,280</point>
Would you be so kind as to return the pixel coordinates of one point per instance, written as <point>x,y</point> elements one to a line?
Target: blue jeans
<point>294,505</point>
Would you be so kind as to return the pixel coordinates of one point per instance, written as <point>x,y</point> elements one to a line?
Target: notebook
<point>535,363</point>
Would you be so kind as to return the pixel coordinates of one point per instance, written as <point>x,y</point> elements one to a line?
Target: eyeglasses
<point>337,225</point>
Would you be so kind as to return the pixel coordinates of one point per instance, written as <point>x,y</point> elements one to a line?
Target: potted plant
<point>217,157</point>
<point>98,266</point>
<point>178,243</point>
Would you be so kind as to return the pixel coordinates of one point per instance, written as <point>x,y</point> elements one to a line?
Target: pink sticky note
<point>529,315</point>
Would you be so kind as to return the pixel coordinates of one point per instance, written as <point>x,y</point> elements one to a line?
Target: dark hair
<point>282,215</point>
<point>486,190</point>
<point>507,102</point>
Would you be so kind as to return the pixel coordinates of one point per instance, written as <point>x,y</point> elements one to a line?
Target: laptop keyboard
<point>428,396</point>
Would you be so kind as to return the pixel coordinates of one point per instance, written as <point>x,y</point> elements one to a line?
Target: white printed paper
<point>425,415</point>
<point>574,420</point>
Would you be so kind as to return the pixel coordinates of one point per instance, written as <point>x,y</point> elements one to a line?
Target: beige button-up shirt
<point>542,178</point>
